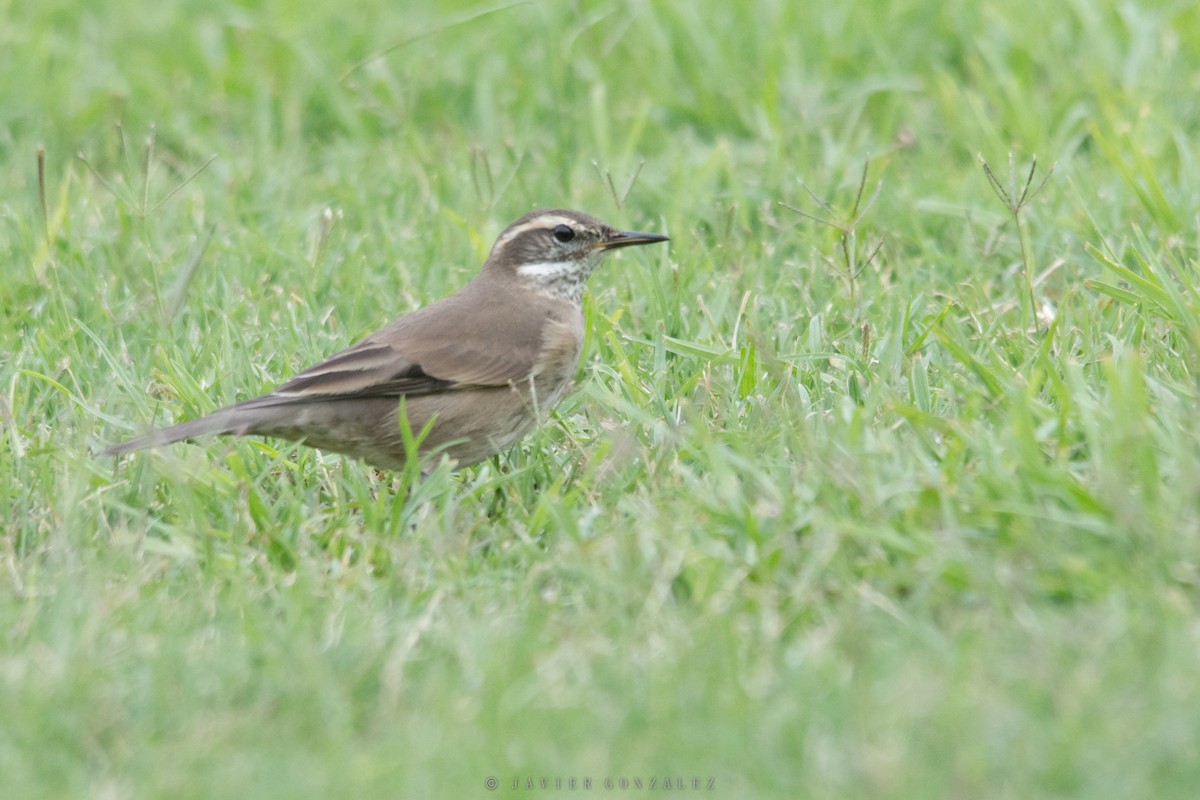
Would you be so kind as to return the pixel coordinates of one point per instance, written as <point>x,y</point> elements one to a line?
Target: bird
<point>479,369</point>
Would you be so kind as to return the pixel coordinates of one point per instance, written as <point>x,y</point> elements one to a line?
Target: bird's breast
<point>557,360</point>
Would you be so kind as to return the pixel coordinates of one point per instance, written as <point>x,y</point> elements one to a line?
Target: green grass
<point>836,510</point>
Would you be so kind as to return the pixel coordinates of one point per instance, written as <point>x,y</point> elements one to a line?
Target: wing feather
<point>435,349</point>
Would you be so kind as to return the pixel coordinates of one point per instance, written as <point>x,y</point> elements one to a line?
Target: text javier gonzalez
<point>652,783</point>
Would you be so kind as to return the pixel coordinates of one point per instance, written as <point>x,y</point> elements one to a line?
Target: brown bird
<point>484,364</point>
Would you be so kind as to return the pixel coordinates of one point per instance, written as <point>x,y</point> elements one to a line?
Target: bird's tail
<point>219,422</point>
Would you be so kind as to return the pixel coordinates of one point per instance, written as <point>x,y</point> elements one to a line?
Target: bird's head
<point>555,250</point>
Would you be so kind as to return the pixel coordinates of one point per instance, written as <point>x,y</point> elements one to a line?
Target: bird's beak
<point>630,238</point>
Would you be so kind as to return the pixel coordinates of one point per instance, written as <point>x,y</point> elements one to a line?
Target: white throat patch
<point>563,279</point>
<point>547,270</point>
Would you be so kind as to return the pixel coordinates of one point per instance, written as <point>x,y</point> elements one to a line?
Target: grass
<point>875,483</point>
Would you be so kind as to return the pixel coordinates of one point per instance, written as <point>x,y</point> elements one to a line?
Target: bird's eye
<point>564,234</point>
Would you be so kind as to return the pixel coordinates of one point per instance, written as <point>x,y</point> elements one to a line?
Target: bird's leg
<point>537,414</point>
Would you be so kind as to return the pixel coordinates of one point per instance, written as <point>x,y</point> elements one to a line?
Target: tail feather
<point>219,422</point>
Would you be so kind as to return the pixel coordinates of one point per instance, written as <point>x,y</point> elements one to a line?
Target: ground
<point>881,480</point>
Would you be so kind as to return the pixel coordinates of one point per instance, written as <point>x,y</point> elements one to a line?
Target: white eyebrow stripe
<point>540,223</point>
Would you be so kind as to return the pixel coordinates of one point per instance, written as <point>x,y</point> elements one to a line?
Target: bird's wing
<point>432,350</point>
<point>379,369</point>
<point>368,369</point>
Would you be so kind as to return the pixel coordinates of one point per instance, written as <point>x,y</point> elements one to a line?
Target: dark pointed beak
<point>630,238</point>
